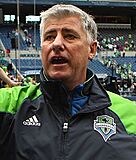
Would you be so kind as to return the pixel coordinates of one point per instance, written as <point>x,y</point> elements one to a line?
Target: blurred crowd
<point>118,44</point>
<point>125,78</point>
<point>10,77</point>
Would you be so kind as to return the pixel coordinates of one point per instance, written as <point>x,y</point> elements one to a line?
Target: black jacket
<point>42,127</point>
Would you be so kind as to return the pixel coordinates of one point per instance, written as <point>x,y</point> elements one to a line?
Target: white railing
<point>113,25</point>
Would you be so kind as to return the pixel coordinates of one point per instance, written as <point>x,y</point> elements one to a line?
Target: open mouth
<point>58,60</point>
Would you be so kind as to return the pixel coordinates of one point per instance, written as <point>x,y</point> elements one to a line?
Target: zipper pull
<point>65,127</point>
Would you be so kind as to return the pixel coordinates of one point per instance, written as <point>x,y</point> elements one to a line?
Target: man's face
<point>65,50</point>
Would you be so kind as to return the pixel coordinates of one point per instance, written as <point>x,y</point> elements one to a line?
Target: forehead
<point>71,22</point>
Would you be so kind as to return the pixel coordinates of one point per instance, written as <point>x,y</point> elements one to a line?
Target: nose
<point>58,43</point>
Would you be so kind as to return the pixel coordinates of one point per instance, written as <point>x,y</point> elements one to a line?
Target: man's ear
<point>93,49</point>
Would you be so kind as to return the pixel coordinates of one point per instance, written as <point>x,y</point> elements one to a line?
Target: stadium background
<point>115,62</point>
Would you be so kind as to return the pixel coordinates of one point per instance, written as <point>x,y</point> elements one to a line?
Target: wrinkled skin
<point>66,50</point>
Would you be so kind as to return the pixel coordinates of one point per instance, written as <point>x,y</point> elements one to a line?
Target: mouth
<point>59,60</point>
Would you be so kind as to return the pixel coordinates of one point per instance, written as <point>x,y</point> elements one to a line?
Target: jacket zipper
<point>65,127</point>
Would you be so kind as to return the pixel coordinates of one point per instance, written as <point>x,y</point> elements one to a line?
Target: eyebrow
<point>69,30</point>
<point>63,30</point>
<point>50,31</point>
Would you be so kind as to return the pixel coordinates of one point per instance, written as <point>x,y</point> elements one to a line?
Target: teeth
<point>58,60</point>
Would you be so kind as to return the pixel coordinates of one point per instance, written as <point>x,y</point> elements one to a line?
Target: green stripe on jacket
<point>11,98</point>
<point>126,110</point>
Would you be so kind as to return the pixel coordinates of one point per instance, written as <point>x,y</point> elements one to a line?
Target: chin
<point>58,76</point>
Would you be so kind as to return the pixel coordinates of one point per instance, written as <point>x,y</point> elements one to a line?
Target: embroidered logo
<point>32,121</point>
<point>105,125</point>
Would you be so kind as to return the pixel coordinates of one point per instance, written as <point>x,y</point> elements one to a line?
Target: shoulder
<point>119,100</point>
<point>11,98</point>
<point>126,111</point>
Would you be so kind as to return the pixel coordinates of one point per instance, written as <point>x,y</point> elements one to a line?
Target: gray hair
<point>63,10</point>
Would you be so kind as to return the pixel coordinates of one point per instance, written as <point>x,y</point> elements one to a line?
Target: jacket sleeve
<point>11,98</point>
<point>126,111</point>
<point>10,101</point>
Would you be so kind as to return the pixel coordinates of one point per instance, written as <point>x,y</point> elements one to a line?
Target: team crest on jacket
<point>105,125</point>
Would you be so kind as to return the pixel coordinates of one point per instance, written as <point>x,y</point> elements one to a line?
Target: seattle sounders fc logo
<point>105,125</point>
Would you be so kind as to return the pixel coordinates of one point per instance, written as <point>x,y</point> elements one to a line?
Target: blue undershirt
<point>77,99</point>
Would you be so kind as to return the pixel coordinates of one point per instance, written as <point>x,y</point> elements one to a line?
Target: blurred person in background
<point>8,80</point>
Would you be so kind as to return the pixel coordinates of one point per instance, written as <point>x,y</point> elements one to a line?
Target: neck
<point>69,83</point>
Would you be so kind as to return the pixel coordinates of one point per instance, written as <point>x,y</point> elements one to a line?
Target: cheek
<point>44,58</point>
<point>43,55</point>
<point>45,47</point>
<point>81,53</point>
<point>45,52</point>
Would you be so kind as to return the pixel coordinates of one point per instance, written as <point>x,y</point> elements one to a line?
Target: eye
<point>70,36</point>
<point>49,37</point>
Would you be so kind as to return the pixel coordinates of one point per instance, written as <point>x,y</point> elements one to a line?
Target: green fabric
<point>11,98</point>
<point>4,68</point>
<point>126,110</point>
